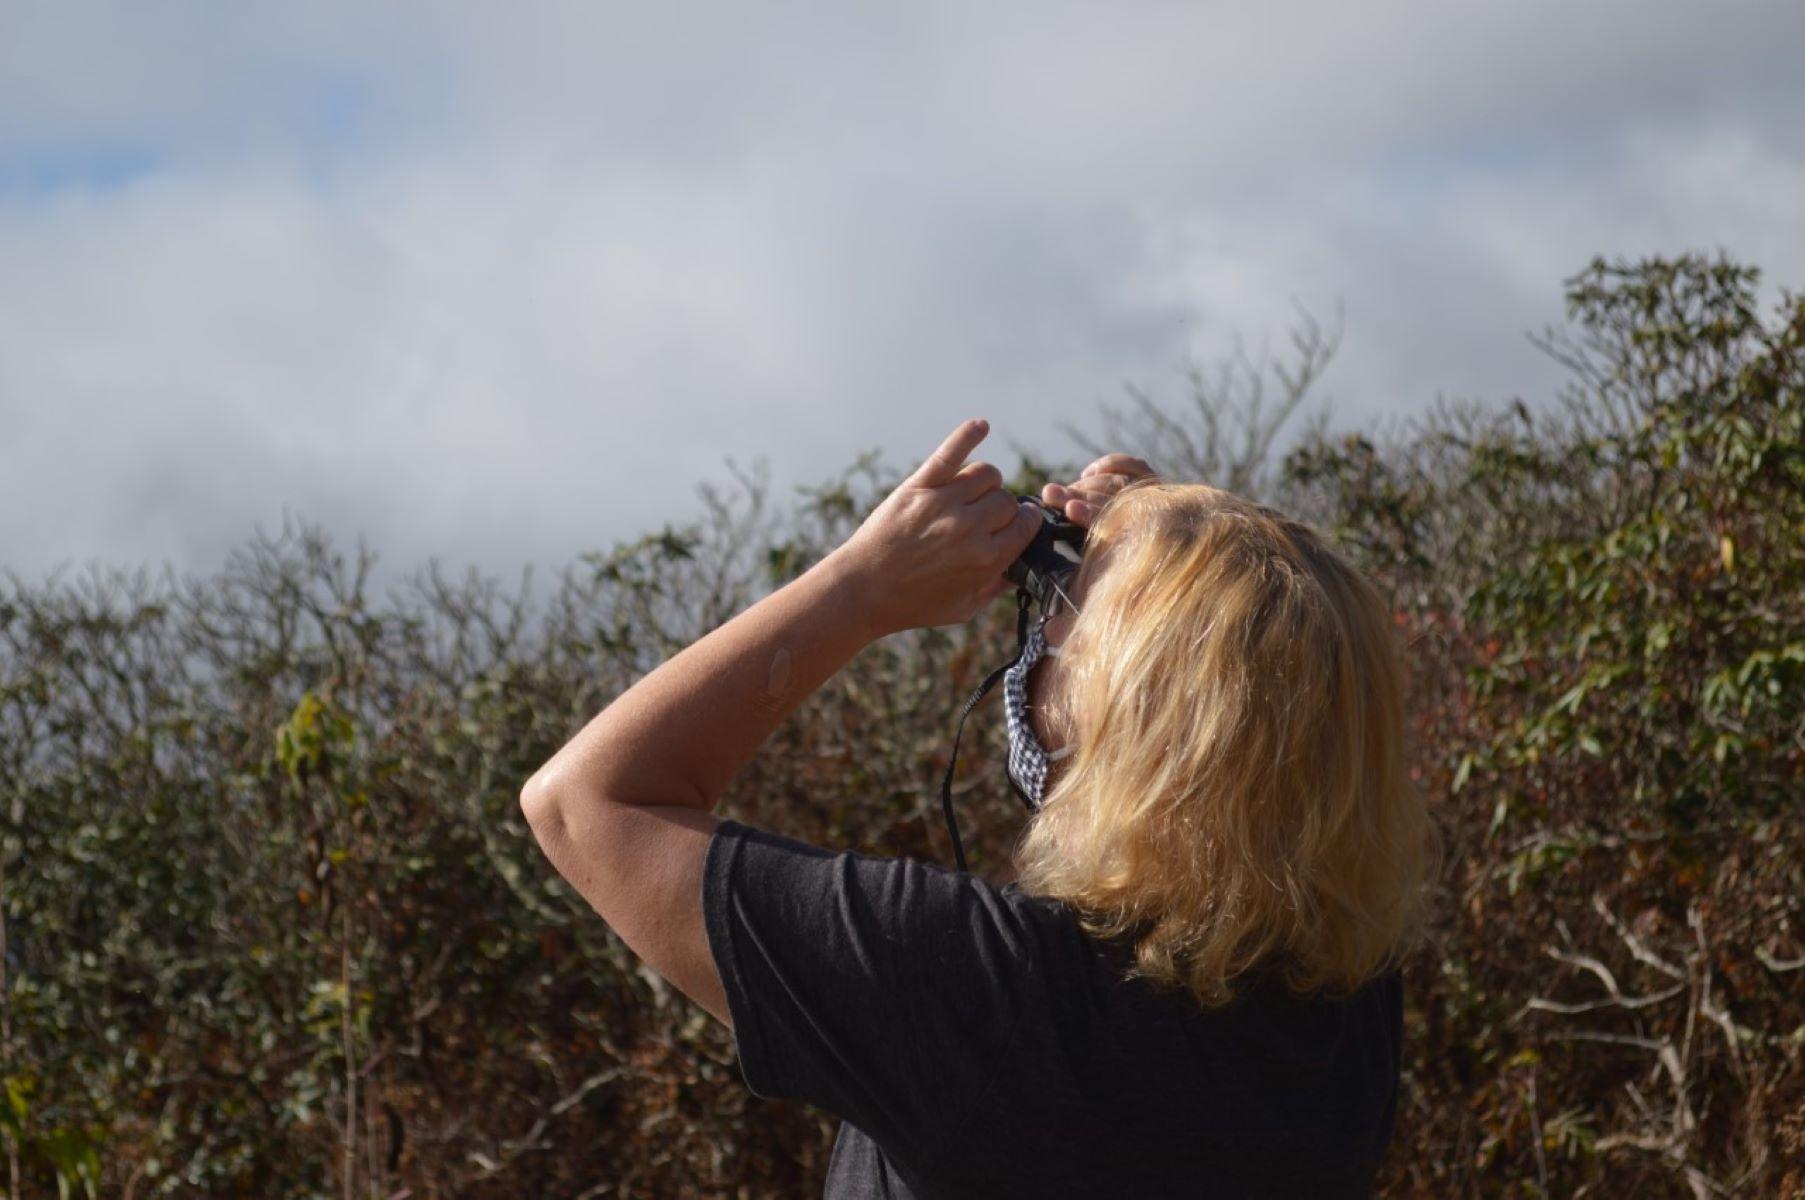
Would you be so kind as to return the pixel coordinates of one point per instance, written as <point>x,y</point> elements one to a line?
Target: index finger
<point>945,462</point>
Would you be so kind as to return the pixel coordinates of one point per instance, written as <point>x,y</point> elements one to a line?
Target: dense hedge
<point>273,925</point>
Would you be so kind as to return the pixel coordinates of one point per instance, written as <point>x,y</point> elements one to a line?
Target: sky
<point>499,285</point>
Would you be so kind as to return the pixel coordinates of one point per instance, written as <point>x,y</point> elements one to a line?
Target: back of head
<point>1239,796</point>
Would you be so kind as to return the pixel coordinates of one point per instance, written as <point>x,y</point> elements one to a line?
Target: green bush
<point>1606,610</point>
<point>273,925</point>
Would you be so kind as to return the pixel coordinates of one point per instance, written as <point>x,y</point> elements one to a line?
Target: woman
<point>1191,987</point>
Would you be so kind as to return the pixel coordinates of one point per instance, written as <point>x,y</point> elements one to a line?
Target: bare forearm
<point>682,733</point>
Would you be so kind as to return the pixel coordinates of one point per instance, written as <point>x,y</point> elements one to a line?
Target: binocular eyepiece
<point>1046,567</point>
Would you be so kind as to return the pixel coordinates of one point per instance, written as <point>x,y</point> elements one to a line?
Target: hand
<point>934,552</point>
<point>1085,496</point>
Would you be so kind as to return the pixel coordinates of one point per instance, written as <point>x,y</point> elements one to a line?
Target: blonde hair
<point>1239,796</point>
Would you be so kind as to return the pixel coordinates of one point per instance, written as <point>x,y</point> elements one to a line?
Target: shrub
<point>271,924</point>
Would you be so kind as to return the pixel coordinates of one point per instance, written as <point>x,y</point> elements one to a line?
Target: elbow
<point>540,805</point>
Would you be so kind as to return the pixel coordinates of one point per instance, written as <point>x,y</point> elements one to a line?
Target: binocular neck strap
<point>1022,600</point>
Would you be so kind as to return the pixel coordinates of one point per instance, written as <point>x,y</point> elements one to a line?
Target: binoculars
<point>1046,567</point>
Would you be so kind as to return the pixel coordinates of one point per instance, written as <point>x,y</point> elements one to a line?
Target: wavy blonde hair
<point>1239,796</point>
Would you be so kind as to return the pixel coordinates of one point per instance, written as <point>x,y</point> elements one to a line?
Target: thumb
<point>1008,542</point>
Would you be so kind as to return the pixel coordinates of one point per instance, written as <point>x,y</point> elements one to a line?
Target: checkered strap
<point>1022,600</point>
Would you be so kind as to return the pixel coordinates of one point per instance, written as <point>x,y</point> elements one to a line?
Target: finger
<point>975,480</point>
<point>945,462</point>
<point>1099,485</point>
<point>1113,481</point>
<point>994,512</point>
<point>1008,542</point>
<point>1118,464</point>
<point>1097,488</point>
<point>1080,501</point>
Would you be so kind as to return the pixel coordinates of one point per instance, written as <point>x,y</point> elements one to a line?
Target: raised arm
<point>625,810</point>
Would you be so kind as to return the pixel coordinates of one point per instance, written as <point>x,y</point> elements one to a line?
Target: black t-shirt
<point>975,1042</point>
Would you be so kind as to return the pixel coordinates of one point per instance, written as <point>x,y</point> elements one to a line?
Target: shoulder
<point>752,874</point>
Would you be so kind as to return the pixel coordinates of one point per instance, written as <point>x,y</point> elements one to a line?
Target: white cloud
<point>505,290</point>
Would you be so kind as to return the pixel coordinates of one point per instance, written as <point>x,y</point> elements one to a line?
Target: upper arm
<point>640,867</point>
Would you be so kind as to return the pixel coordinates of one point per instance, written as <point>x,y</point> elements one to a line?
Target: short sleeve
<point>878,989</point>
